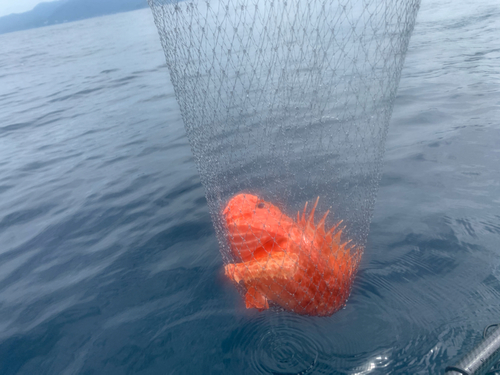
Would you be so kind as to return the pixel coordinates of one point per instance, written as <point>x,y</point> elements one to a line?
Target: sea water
<point>108,259</point>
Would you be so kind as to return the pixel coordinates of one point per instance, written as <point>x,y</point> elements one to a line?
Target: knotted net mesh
<point>288,102</point>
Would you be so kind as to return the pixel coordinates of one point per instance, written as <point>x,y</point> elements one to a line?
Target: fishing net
<point>288,102</point>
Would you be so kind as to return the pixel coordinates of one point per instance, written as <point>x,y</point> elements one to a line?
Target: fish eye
<point>260,205</point>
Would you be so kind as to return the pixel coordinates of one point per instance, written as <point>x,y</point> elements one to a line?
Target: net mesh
<point>288,102</point>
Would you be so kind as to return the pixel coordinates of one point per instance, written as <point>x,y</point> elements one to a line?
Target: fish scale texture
<point>288,101</point>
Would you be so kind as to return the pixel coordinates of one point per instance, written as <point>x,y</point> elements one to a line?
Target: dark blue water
<point>108,258</point>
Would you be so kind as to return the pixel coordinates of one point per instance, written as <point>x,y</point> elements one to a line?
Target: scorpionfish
<point>297,265</point>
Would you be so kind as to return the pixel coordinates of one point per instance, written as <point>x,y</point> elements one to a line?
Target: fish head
<point>255,226</point>
<point>254,212</point>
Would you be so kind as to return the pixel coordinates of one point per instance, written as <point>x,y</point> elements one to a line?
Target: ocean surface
<point>108,258</point>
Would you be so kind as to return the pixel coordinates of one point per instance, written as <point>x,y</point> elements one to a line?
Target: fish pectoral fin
<point>276,265</point>
<point>253,298</point>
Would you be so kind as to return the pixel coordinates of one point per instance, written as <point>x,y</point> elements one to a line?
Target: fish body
<point>292,263</point>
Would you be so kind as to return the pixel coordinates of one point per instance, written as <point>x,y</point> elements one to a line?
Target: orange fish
<point>294,264</point>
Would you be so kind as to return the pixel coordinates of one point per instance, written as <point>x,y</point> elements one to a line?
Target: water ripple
<point>281,344</point>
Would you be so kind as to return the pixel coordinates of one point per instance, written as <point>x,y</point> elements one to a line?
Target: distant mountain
<point>66,11</point>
